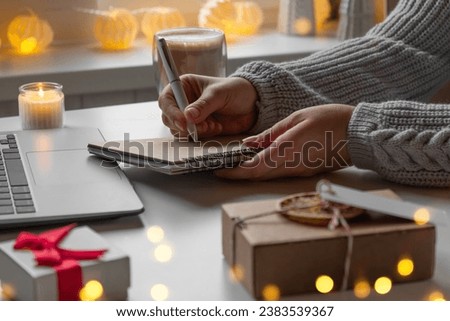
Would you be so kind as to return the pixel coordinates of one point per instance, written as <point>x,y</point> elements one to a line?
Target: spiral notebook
<point>173,156</point>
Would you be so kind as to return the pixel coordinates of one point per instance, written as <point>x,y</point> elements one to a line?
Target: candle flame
<point>41,92</point>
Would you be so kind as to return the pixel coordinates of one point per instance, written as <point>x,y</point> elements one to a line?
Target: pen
<point>175,83</point>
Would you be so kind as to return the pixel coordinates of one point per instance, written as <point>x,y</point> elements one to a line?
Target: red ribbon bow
<point>65,262</point>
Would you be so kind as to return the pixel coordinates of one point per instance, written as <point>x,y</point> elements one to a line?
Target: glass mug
<point>201,51</point>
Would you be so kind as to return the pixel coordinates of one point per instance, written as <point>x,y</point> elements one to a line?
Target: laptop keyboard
<point>15,196</point>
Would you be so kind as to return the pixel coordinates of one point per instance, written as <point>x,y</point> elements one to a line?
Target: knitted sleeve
<point>405,58</point>
<point>405,142</point>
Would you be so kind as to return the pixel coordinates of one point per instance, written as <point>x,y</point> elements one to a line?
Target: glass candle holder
<point>41,105</point>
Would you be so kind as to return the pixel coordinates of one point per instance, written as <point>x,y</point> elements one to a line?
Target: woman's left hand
<point>307,142</point>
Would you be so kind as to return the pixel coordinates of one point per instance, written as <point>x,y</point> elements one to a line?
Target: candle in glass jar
<point>41,105</point>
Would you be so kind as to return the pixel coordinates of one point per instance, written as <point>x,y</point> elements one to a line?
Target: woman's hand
<point>307,142</point>
<point>218,106</point>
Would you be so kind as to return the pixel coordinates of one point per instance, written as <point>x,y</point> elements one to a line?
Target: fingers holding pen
<point>172,116</point>
<point>217,106</point>
<point>198,111</point>
<point>177,123</point>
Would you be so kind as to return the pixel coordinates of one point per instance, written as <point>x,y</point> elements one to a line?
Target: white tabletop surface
<point>187,208</point>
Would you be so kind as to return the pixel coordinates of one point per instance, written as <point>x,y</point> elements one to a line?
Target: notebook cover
<point>176,156</point>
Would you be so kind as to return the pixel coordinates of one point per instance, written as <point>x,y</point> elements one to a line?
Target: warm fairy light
<point>361,289</point>
<point>324,284</point>
<point>160,18</point>
<point>29,34</point>
<point>383,285</point>
<point>271,292</point>
<point>303,26</point>
<point>92,291</point>
<point>116,29</point>
<point>436,296</point>
<point>155,234</point>
<point>163,253</point>
<point>405,267</point>
<point>7,291</point>
<point>236,273</point>
<point>322,9</point>
<point>28,45</point>
<point>234,18</point>
<point>159,292</point>
<point>422,216</point>
<point>249,18</point>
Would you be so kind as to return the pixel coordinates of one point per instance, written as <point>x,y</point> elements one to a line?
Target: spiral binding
<point>219,160</point>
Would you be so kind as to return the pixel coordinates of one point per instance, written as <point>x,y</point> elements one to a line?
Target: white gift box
<point>22,279</point>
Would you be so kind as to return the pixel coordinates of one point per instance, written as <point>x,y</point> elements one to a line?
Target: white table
<point>188,209</point>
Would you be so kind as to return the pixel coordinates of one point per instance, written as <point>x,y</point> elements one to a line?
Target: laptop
<point>47,176</point>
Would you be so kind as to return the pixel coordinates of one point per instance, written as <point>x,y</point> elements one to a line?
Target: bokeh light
<point>303,26</point>
<point>159,292</point>
<point>92,291</point>
<point>361,289</point>
<point>422,216</point>
<point>28,46</point>
<point>383,285</point>
<point>436,296</point>
<point>324,284</point>
<point>155,234</point>
<point>271,292</point>
<point>405,267</point>
<point>236,273</point>
<point>163,253</point>
<point>7,291</point>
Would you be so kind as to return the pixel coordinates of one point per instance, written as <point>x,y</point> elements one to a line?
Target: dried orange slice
<point>309,208</point>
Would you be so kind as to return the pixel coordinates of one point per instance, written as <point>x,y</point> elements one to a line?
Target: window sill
<point>86,70</point>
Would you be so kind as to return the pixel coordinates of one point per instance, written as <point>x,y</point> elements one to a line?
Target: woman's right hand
<point>218,106</point>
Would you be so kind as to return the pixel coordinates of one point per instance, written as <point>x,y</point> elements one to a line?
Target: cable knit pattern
<point>389,74</point>
<point>406,142</point>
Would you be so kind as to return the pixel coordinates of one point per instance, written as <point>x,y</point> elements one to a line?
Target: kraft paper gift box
<point>22,279</point>
<point>274,250</point>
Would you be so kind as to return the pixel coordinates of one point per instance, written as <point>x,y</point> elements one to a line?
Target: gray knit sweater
<point>389,74</point>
